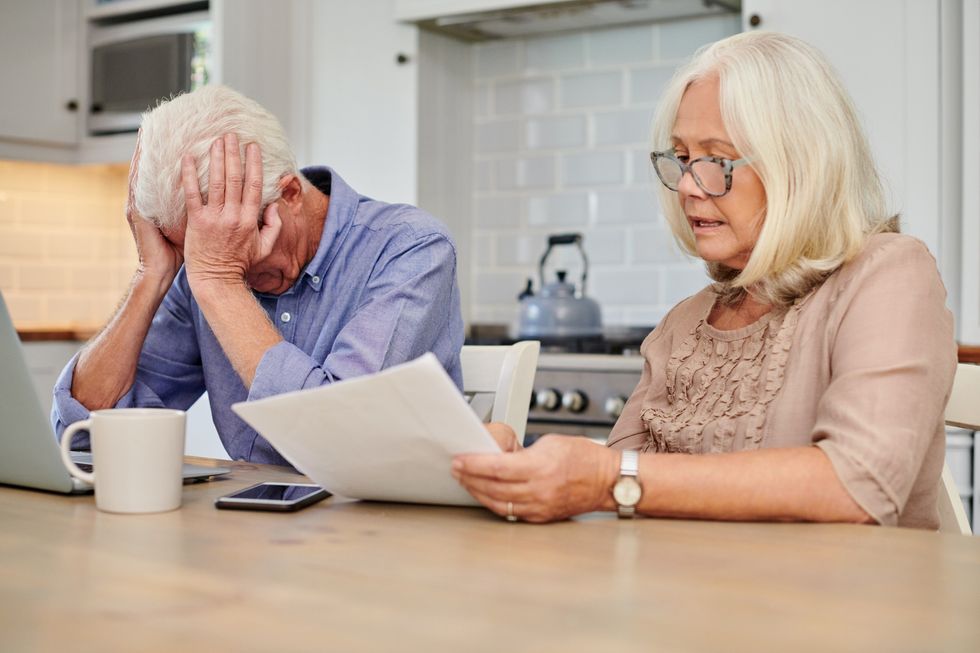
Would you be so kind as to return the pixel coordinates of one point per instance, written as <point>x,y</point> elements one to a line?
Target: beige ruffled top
<point>718,386</point>
<point>861,367</point>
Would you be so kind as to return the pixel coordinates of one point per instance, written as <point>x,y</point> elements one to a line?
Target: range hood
<point>541,18</point>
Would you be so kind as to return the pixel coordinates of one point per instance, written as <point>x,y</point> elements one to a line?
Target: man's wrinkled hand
<point>159,259</point>
<point>224,237</point>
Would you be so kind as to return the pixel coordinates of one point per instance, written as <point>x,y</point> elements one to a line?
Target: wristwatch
<point>627,490</point>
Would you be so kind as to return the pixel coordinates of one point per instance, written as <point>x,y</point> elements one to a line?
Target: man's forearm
<point>106,367</point>
<point>241,326</point>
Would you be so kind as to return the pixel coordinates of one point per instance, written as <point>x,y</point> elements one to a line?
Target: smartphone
<point>273,496</point>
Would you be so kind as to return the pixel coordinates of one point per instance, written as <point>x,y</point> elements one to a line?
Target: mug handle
<point>84,425</point>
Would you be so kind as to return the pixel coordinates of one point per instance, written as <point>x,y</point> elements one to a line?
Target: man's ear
<point>291,191</point>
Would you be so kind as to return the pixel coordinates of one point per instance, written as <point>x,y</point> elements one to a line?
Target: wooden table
<point>352,576</point>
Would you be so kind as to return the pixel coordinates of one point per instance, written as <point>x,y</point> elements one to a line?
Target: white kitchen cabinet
<point>38,55</point>
<point>901,63</point>
<point>44,66</point>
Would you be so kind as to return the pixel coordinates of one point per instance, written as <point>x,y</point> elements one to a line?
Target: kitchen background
<point>507,140</point>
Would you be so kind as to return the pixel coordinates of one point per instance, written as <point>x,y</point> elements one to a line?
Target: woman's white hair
<point>189,124</point>
<point>789,115</point>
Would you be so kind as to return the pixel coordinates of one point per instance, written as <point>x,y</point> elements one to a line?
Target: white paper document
<point>389,436</point>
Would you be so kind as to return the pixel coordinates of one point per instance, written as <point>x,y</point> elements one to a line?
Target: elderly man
<point>256,278</point>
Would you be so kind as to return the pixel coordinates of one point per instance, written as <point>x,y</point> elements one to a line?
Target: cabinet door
<point>38,70</point>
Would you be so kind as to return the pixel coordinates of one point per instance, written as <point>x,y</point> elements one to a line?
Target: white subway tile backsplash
<point>524,97</point>
<point>484,171</point>
<point>531,172</point>
<point>483,249</point>
<point>605,246</point>
<point>501,136</point>
<point>646,85</point>
<point>20,245</point>
<point>498,212</point>
<point>566,209</point>
<point>43,277</point>
<point>635,286</point>
<point>621,45</point>
<point>649,316</point>
<point>622,127</point>
<point>26,309</point>
<point>655,245</point>
<point>515,249</point>
<point>641,169</point>
<point>680,39</point>
<point>591,89</point>
<point>499,288</point>
<point>682,282</point>
<point>481,100</point>
<point>627,207</point>
<point>555,52</point>
<point>593,168</point>
<point>557,132</point>
<point>578,161</point>
<point>501,58</point>
<point>8,276</point>
<point>8,208</point>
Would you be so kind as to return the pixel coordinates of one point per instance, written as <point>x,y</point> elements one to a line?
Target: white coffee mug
<point>137,455</point>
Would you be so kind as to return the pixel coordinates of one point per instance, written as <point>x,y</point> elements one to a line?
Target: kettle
<point>559,311</point>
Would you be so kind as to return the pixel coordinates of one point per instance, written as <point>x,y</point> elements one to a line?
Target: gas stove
<point>581,384</point>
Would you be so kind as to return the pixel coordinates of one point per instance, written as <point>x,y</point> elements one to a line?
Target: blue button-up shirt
<point>380,290</point>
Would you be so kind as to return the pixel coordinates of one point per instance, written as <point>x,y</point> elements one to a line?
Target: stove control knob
<point>548,399</point>
<point>575,401</point>
<point>615,405</point>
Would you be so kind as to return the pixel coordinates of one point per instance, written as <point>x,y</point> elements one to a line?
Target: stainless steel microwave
<point>134,65</point>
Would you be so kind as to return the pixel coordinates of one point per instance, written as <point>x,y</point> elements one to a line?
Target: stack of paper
<point>389,436</point>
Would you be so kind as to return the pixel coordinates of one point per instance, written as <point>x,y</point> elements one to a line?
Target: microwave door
<point>129,77</point>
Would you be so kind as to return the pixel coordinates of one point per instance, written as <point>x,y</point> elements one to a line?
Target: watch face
<point>627,491</point>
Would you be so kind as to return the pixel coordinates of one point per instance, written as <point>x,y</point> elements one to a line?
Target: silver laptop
<point>29,452</point>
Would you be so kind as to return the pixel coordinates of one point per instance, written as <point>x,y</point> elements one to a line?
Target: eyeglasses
<point>712,174</point>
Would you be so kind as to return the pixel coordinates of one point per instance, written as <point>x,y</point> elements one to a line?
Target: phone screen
<point>276,492</point>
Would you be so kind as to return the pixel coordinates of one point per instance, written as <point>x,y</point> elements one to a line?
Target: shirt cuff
<point>862,485</point>
<point>285,368</point>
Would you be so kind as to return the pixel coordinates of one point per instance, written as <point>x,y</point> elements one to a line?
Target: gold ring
<point>511,517</point>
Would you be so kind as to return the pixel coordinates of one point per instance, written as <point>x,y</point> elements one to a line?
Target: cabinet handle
<point>755,20</point>
<point>71,105</point>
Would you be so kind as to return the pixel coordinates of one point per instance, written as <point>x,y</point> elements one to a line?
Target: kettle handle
<point>565,239</point>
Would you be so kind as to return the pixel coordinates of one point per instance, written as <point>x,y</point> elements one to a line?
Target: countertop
<point>56,333</point>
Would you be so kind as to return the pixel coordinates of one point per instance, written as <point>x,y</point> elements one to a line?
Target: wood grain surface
<point>360,576</point>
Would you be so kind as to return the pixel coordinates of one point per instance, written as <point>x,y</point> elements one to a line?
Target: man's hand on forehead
<point>228,233</point>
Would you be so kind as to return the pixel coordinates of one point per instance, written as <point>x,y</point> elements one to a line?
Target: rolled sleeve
<point>892,364</point>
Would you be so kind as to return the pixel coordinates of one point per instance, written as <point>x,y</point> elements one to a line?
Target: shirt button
<point>285,317</point>
<point>316,279</point>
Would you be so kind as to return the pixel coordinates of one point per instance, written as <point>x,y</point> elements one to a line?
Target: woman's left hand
<point>560,476</point>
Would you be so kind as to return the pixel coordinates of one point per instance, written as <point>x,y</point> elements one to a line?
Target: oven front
<point>580,394</point>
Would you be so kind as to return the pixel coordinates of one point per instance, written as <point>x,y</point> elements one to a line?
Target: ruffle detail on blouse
<point>720,388</point>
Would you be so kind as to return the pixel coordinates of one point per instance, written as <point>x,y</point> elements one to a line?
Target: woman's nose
<point>687,186</point>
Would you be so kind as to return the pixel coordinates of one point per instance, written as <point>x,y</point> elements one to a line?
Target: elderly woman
<point>809,380</point>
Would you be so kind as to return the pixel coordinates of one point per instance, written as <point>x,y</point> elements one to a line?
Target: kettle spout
<point>527,292</point>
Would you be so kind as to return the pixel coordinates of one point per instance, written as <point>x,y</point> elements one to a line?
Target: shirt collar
<point>340,216</point>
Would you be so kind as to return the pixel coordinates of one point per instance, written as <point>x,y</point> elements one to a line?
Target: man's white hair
<point>789,115</point>
<point>189,124</point>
